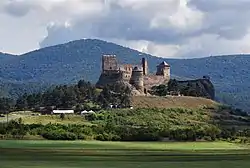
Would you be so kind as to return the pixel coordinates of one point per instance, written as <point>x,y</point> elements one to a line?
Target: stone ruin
<point>135,76</point>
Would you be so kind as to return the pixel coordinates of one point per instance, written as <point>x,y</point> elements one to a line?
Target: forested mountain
<point>5,57</point>
<point>70,62</point>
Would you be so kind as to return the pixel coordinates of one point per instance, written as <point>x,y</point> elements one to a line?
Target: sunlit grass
<point>54,119</point>
<point>124,145</point>
<point>95,154</point>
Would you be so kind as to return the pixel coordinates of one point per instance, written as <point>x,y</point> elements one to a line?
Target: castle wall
<point>166,72</point>
<point>127,72</point>
<point>109,78</point>
<point>152,80</point>
<point>159,71</point>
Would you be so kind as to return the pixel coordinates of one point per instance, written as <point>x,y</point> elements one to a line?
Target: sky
<point>166,28</point>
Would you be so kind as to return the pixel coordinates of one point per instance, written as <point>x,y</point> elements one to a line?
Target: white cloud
<point>170,28</point>
<point>150,47</point>
<point>182,18</point>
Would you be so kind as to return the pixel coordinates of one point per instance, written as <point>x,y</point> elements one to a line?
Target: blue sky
<point>168,28</point>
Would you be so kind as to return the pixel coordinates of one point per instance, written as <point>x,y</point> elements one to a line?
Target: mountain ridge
<point>81,40</point>
<point>81,59</point>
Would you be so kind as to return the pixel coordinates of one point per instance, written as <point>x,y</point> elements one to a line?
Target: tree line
<point>71,96</point>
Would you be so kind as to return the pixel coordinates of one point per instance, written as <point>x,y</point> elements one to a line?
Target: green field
<point>28,118</point>
<point>94,154</point>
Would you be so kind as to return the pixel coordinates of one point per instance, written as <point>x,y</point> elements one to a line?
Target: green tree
<point>21,103</point>
<point>6,105</point>
<point>173,85</point>
<point>161,90</point>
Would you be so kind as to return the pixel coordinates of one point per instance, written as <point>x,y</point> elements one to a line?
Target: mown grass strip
<point>189,146</point>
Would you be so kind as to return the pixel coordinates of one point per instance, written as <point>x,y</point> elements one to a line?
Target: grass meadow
<point>95,154</point>
<point>28,118</point>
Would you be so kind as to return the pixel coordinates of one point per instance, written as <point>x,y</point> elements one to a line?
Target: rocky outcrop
<point>198,88</point>
<point>109,78</point>
<point>194,88</point>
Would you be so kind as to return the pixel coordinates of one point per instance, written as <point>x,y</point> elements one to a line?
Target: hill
<point>172,102</point>
<point>212,111</point>
<point>67,63</point>
<point>15,89</point>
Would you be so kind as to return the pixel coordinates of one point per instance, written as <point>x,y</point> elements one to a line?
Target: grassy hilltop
<point>172,102</point>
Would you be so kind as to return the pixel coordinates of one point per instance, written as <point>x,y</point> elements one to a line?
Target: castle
<point>137,76</point>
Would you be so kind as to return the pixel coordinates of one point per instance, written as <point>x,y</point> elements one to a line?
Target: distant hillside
<point>16,89</point>
<point>5,57</point>
<point>67,63</point>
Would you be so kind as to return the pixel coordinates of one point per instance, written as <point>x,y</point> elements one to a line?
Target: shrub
<point>107,137</point>
<point>81,137</point>
<point>59,135</point>
<point>91,117</point>
<point>207,138</point>
<point>100,137</point>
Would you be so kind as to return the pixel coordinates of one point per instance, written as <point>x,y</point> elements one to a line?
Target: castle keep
<point>137,76</point>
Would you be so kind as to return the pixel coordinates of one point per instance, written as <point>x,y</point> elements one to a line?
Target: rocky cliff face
<point>198,88</point>
<point>108,78</point>
<point>195,88</point>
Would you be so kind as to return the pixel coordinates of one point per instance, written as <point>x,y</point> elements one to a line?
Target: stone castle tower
<point>163,69</point>
<point>137,78</point>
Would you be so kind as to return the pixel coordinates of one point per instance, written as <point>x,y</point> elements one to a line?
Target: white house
<point>86,112</point>
<point>63,112</point>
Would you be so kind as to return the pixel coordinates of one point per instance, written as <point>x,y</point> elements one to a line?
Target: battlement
<point>126,67</point>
